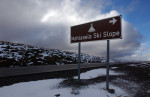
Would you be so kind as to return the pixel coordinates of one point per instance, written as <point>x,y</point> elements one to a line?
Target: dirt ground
<point>136,80</point>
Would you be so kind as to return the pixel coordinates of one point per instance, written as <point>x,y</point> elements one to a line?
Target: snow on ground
<point>132,65</point>
<point>40,88</point>
<point>114,67</point>
<point>49,88</point>
<point>96,72</point>
<point>148,91</point>
<point>143,65</point>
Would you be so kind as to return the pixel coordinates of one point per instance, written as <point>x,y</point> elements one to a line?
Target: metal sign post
<point>79,59</point>
<point>107,66</point>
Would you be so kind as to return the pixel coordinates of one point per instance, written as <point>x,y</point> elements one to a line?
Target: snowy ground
<point>50,87</point>
<point>96,73</point>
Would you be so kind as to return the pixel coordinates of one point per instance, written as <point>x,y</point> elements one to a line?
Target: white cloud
<point>148,59</point>
<point>47,23</point>
<point>146,55</point>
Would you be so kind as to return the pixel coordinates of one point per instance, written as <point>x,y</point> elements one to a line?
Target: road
<point>4,72</point>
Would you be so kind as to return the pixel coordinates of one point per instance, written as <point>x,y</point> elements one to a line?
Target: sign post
<point>107,66</point>
<point>79,60</point>
<point>105,29</point>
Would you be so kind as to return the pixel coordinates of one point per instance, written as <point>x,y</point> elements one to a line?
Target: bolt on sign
<point>105,29</point>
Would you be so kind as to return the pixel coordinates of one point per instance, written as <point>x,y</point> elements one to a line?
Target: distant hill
<point>14,54</point>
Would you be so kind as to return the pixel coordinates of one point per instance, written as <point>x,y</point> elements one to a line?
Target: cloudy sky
<point>46,23</point>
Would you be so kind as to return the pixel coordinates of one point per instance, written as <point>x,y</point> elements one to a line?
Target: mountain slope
<point>14,54</point>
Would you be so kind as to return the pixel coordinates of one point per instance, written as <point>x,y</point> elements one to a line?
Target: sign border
<point>96,21</point>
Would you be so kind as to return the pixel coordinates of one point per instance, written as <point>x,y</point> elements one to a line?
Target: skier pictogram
<point>91,28</point>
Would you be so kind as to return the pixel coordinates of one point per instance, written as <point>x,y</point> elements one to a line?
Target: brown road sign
<point>105,29</point>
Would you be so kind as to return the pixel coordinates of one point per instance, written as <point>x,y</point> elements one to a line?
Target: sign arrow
<point>113,21</point>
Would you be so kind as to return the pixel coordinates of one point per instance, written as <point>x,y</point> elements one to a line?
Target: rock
<point>57,95</point>
<point>112,91</point>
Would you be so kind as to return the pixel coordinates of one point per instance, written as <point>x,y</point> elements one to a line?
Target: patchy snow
<point>19,52</point>
<point>48,88</point>
<point>2,55</point>
<point>114,67</point>
<point>143,65</point>
<point>96,72</point>
<point>148,91</point>
<point>132,65</point>
<point>112,61</point>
